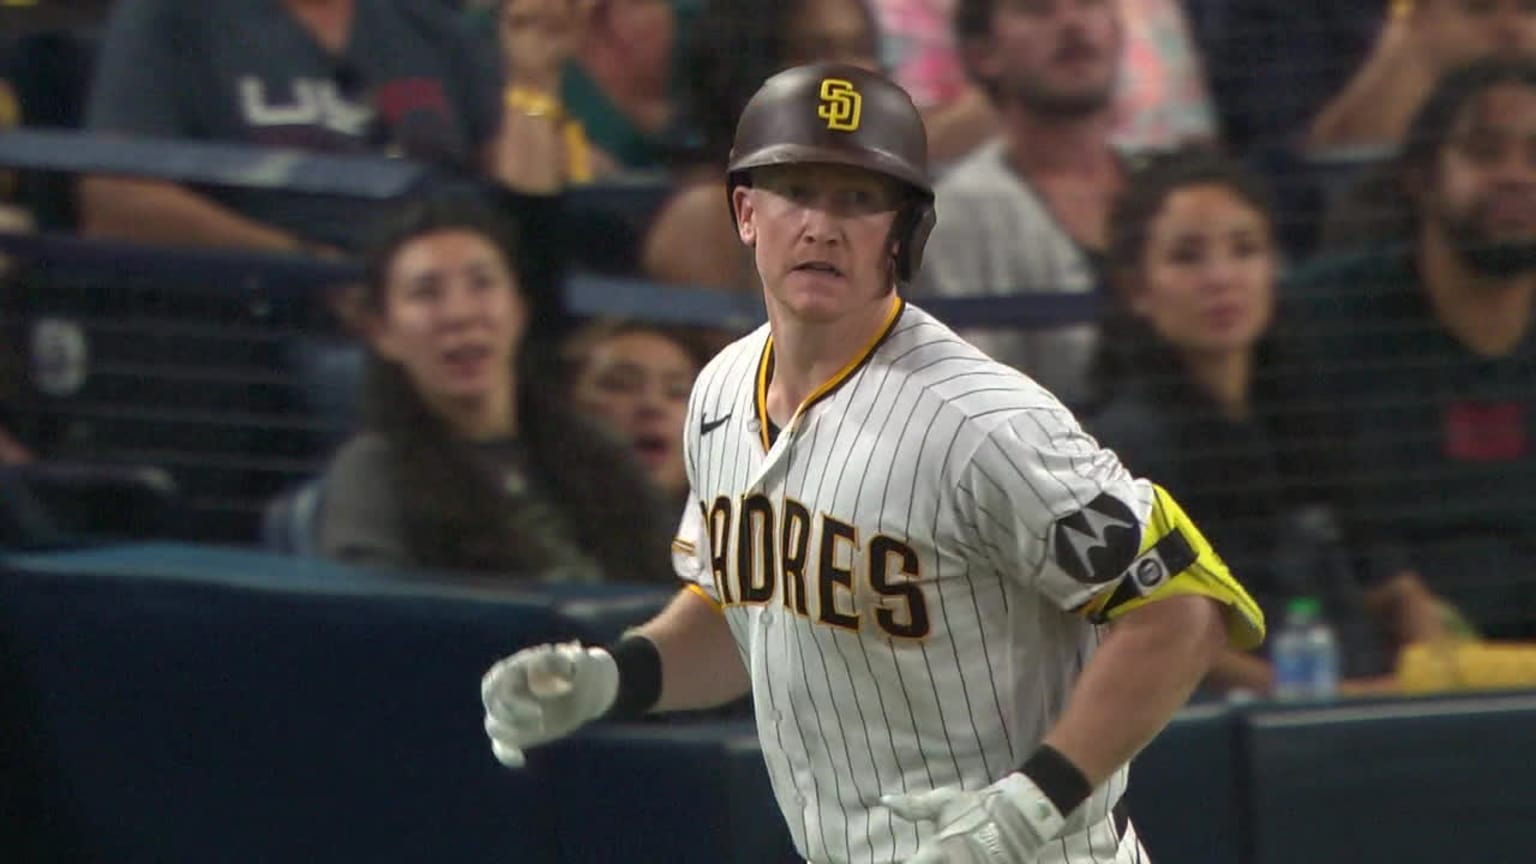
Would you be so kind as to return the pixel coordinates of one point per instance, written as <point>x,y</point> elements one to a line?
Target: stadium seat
<point>289,525</point>
<point>330,374</point>
<point>61,503</point>
<point>24,520</point>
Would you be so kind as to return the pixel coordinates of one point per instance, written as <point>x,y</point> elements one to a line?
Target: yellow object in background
<point>578,149</point>
<point>1463,665</point>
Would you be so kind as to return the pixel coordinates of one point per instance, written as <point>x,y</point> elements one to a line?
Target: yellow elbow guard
<point>1175,559</point>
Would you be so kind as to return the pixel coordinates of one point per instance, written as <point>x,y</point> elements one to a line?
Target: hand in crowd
<point>1433,34</point>
<point>537,37</point>
<point>540,147</point>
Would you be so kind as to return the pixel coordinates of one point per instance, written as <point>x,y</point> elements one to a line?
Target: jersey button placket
<point>765,623</point>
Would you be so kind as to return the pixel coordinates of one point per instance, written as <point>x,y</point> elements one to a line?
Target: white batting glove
<point>1005,823</point>
<point>543,693</point>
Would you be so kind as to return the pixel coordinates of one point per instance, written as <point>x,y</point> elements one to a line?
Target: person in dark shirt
<point>1432,356</point>
<point>399,78</point>
<point>1204,391</point>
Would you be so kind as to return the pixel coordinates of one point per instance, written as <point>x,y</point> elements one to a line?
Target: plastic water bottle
<point>1305,654</point>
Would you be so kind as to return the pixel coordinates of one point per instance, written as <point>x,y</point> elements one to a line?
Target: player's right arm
<point>700,664</point>
<point>683,659</point>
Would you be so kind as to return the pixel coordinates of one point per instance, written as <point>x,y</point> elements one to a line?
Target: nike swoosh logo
<point>708,426</point>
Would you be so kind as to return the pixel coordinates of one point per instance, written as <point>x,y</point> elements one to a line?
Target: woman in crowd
<point>1204,391</point>
<point>636,378</point>
<point>467,460</point>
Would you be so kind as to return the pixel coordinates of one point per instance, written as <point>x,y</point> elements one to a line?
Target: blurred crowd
<point>1312,228</point>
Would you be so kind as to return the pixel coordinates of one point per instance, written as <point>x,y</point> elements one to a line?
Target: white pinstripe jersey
<point>887,568</point>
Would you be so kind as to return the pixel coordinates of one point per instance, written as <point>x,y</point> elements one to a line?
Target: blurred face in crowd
<point>1484,195</point>
<point>820,235</point>
<point>644,31</point>
<point>1458,31</point>
<point>831,30</point>
<point>1055,57</point>
<point>638,382</point>
<point>1208,271</point>
<point>452,317</point>
<point>538,35</point>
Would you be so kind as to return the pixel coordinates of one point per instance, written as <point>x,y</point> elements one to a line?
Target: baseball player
<point>958,616</point>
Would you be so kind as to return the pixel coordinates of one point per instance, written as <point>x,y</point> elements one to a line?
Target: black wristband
<point>639,677</point>
<point>1058,778</point>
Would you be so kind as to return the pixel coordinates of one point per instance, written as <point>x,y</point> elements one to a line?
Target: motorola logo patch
<point>1097,543</point>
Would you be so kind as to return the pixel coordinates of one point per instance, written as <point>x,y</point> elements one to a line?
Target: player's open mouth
<point>818,267</point>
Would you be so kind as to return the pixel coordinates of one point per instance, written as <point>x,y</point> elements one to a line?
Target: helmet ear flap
<point>909,234</point>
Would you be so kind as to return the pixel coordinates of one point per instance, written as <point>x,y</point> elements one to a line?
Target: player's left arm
<point>1172,610</point>
<point>1143,672</point>
<point>1100,543</point>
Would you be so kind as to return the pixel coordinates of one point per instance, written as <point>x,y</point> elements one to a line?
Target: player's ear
<point>746,214</point>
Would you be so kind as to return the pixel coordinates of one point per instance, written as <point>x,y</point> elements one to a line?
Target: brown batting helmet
<point>837,114</point>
